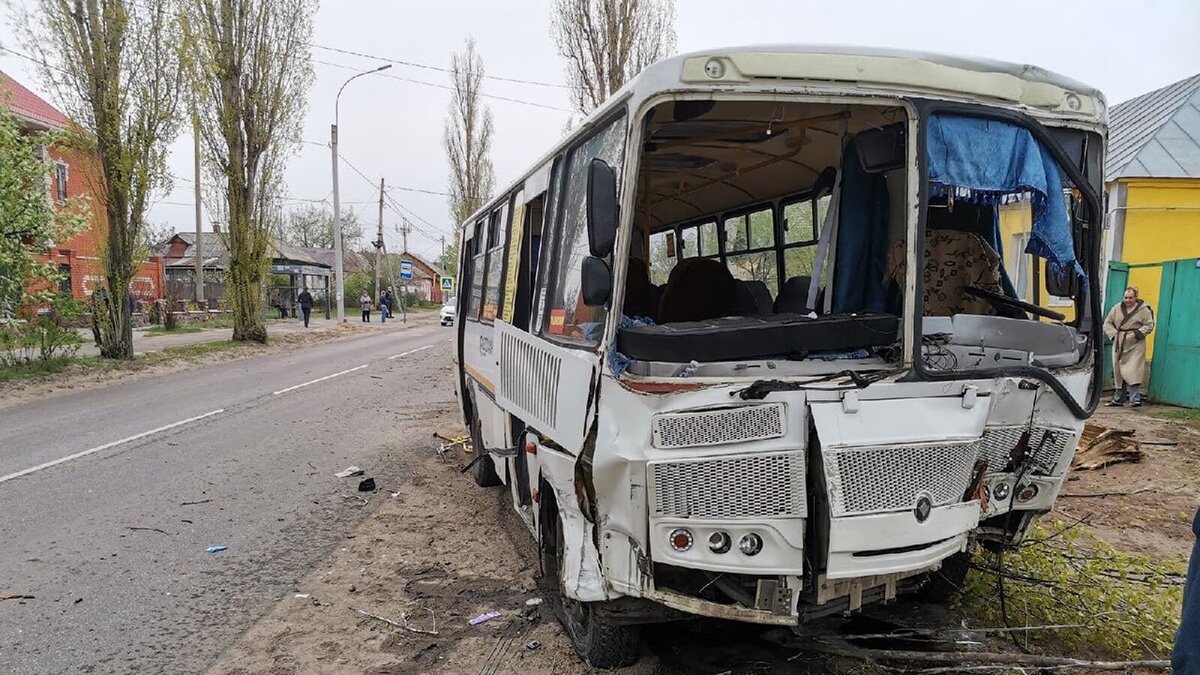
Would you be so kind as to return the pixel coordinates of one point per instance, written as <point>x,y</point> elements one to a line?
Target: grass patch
<point>33,370</point>
<point>1126,606</point>
<point>43,370</point>
<point>1182,414</point>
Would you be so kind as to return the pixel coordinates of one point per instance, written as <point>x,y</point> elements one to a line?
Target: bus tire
<point>946,580</point>
<point>596,638</point>
<point>484,470</point>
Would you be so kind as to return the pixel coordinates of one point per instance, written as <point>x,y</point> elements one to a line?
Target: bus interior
<point>769,239</point>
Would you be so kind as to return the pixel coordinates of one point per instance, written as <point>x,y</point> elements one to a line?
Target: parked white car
<point>447,313</point>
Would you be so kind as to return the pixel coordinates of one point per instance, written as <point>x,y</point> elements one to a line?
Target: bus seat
<point>954,259</point>
<point>753,297</point>
<point>639,292</point>
<point>793,297</point>
<point>698,289</point>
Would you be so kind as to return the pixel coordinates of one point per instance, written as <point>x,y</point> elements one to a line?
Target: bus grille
<point>754,486</point>
<point>715,427</point>
<point>529,378</point>
<point>876,480</point>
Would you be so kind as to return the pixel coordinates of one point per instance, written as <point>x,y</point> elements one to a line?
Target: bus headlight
<point>750,544</point>
<point>719,542</point>
<point>1000,492</point>
<point>1027,492</point>
<point>681,539</point>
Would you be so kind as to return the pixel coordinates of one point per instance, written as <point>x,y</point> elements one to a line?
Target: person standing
<point>1127,325</point>
<point>385,304</point>
<point>306,302</point>
<point>364,301</point>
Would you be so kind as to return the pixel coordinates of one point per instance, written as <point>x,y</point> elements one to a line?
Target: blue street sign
<point>406,270</point>
<point>447,283</point>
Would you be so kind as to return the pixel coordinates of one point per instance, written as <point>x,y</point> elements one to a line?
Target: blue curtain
<point>861,258</point>
<point>988,161</point>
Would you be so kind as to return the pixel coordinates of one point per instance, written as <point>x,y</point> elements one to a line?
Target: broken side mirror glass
<point>601,208</point>
<point>596,284</point>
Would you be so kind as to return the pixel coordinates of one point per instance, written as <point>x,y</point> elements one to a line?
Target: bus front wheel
<point>484,470</point>
<point>599,640</point>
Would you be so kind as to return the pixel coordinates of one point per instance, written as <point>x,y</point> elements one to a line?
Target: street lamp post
<point>337,206</point>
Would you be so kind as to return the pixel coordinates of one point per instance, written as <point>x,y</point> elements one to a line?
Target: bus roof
<point>872,69</point>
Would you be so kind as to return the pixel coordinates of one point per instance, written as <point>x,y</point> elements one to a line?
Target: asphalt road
<point>109,498</point>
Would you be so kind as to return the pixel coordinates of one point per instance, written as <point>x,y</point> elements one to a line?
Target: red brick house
<point>75,173</point>
<point>427,278</point>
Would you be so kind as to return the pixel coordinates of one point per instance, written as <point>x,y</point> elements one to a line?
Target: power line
<point>397,207</point>
<point>437,68</point>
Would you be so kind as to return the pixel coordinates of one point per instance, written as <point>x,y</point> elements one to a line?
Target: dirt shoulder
<point>93,372</point>
<point>1145,507</point>
<point>437,550</point>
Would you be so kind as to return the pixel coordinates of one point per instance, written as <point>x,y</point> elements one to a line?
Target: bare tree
<point>250,69</point>
<point>607,42</point>
<point>311,225</point>
<point>468,136</point>
<point>114,68</point>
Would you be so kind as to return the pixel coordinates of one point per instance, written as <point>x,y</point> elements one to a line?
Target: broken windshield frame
<point>1088,307</point>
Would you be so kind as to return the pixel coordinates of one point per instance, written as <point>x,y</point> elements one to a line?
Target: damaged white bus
<point>747,344</point>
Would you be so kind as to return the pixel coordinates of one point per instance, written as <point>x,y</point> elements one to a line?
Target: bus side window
<point>568,316</point>
<point>478,251</point>
<point>497,230</point>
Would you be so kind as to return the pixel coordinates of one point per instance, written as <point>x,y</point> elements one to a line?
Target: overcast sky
<point>392,128</point>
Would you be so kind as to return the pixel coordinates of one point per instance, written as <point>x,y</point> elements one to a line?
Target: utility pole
<point>199,245</point>
<point>379,244</point>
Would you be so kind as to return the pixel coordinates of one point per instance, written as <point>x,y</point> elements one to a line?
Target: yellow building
<point>1152,181</point>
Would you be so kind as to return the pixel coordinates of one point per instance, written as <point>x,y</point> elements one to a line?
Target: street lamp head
<point>383,67</point>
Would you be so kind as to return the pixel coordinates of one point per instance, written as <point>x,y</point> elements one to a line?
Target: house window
<point>64,279</point>
<point>60,182</point>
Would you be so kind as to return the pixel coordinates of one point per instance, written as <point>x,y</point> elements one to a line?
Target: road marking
<point>106,446</point>
<point>319,379</point>
<point>411,351</point>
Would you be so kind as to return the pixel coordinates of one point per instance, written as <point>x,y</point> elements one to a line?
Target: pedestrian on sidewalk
<point>385,305</point>
<point>364,301</point>
<point>306,303</point>
<point>1127,325</point>
<point>1185,658</point>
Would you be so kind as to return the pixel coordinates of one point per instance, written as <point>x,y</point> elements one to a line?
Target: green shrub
<point>1127,605</point>
<point>49,335</point>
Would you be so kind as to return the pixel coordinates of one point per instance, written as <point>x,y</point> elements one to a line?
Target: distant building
<point>427,279</point>
<point>1152,177</point>
<point>75,173</point>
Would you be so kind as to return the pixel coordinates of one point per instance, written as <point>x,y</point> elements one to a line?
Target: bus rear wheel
<point>484,470</point>
<point>595,636</point>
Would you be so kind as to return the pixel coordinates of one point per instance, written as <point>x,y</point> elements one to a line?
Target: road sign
<point>447,283</point>
<point>406,270</point>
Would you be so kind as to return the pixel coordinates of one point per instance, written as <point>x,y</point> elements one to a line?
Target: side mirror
<point>596,286</point>
<point>601,208</point>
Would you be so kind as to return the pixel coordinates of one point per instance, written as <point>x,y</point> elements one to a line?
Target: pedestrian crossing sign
<point>447,283</point>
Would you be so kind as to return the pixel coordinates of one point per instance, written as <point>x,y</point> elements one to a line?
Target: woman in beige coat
<point>1127,325</point>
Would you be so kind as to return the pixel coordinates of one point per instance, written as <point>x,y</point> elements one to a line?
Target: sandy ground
<point>1145,507</point>
<point>14,393</point>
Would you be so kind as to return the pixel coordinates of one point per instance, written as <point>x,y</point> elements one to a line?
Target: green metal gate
<point>1175,371</point>
<point>1114,290</point>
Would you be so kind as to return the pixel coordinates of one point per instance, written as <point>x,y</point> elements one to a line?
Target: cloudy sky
<point>391,124</point>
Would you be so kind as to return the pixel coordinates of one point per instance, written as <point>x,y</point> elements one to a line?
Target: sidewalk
<point>143,343</point>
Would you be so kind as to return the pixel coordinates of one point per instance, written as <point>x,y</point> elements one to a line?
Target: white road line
<point>106,446</point>
<point>319,379</point>
<point>411,351</point>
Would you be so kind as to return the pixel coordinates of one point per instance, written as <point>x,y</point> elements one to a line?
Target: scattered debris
<point>303,596</point>
<point>532,645</point>
<point>483,618</point>
<point>352,588</point>
<point>366,485</point>
<point>147,529</point>
<point>15,597</point>
<point>403,617</point>
<point>1109,494</point>
<point>362,502</point>
<point>202,501</point>
<point>1100,447</point>
<point>79,600</point>
<point>185,520</point>
<point>983,659</point>
<point>215,549</point>
<point>533,602</point>
<point>349,471</point>
<point>462,441</point>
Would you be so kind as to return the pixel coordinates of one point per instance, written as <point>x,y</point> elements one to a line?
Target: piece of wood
<point>1100,447</point>
<point>1106,494</point>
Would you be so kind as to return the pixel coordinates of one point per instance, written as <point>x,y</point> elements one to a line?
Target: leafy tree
<point>114,67</point>
<point>29,224</point>
<point>607,42</point>
<point>250,69</point>
<point>468,137</point>
<point>311,226</point>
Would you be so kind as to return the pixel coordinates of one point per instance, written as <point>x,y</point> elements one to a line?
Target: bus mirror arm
<point>596,284</point>
<point>601,208</point>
